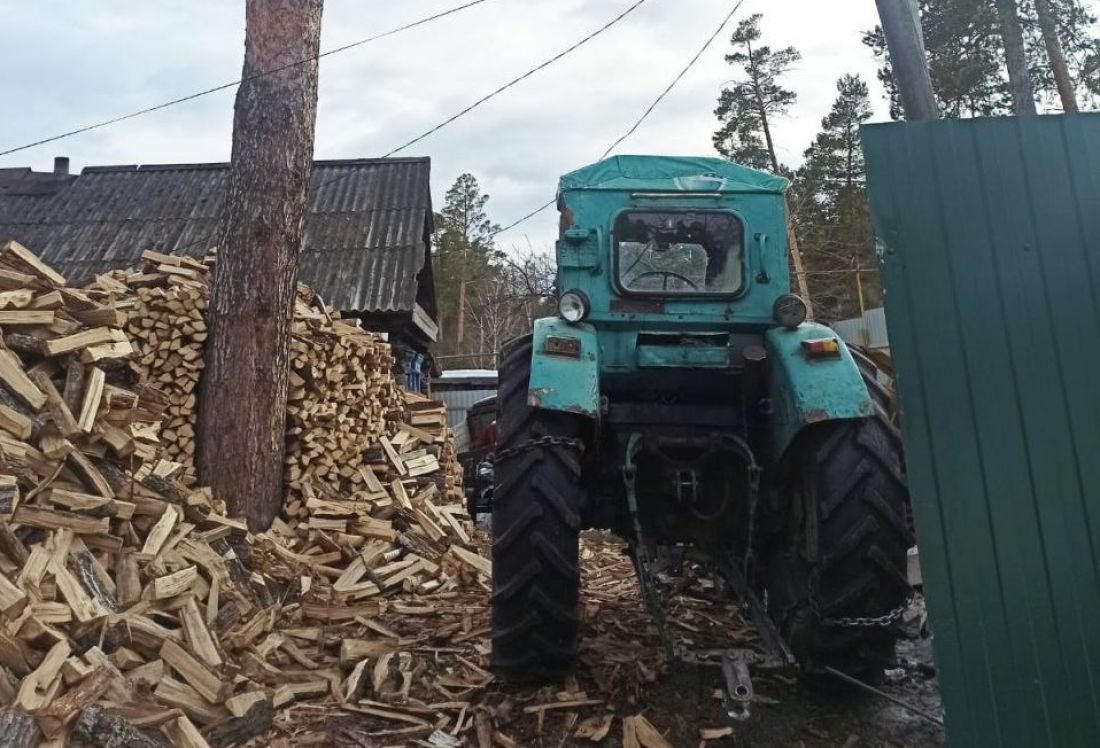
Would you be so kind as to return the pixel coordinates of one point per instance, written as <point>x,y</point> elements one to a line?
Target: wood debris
<point>131,604</point>
<point>638,732</point>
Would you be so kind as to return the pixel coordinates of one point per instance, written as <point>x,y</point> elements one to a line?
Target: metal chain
<point>886,619</point>
<point>882,621</point>
<point>544,441</point>
<point>754,498</point>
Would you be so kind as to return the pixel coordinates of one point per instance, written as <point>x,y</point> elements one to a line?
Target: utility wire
<point>499,90</point>
<point>645,114</point>
<point>224,86</point>
<point>520,79</point>
<point>676,80</point>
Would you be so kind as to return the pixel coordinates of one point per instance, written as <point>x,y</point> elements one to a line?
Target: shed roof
<point>366,244</point>
<point>672,174</point>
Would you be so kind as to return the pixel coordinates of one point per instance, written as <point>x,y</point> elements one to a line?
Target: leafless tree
<point>533,277</point>
<point>506,303</point>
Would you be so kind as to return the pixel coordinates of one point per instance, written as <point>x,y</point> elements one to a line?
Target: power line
<point>517,80</point>
<point>676,80</point>
<point>224,86</point>
<point>529,216</point>
<point>499,90</point>
<point>646,113</point>
<point>496,92</point>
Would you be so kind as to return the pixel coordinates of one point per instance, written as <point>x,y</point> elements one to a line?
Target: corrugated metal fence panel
<point>868,331</point>
<point>990,234</point>
<point>875,321</point>
<point>460,401</point>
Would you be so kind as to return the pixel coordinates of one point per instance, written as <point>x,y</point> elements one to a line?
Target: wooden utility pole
<point>905,40</point>
<point>1012,35</point>
<point>1062,79</point>
<point>242,411</point>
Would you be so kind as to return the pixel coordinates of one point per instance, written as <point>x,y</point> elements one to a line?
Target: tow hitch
<point>734,663</point>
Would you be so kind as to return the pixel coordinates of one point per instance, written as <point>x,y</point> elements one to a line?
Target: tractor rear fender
<point>805,391</point>
<point>565,368</point>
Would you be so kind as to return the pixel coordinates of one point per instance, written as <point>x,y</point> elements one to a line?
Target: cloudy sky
<point>71,62</point>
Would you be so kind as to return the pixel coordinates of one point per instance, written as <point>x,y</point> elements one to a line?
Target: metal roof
<point>366,237</point>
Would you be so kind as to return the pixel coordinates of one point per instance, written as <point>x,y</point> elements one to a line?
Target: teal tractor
<point>682,400</point>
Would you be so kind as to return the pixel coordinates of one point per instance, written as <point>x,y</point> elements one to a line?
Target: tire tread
<point>536,527</point>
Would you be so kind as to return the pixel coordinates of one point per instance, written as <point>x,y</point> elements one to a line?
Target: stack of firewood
<point>129,600</point>
<point>165,302</point>
<point>430,417</point>
<point>341,400</point>
<point>104,553</point>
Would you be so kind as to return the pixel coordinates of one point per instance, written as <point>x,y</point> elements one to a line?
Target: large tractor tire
<point>837,579</point>
<point>536,524</point>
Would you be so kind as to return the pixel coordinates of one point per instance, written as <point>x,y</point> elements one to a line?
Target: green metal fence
<point>989,233</point>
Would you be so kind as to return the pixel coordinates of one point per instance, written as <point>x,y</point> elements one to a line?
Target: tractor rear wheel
<point>837,582</point>
<point>536,525</point>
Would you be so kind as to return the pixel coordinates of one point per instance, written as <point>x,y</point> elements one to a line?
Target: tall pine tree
<point>1069,28</point>
<point>747,105</point>
<point>831,212</point>
<point>464,255</point>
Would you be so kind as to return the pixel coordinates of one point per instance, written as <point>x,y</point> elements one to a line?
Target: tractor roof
<point>672,174</point>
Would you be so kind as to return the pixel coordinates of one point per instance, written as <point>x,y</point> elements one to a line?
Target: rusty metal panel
<point>989,233</point>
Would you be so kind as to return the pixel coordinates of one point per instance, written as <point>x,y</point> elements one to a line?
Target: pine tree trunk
<point>1062,78</point>
<point>460,329</point>
<point>768,140</point>
<point>797,268</point>
<point>242,413</point>
<point>1023,95</point>
<point>762,111</point>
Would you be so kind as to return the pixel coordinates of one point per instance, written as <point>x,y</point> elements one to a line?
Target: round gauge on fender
<point>789,311</point>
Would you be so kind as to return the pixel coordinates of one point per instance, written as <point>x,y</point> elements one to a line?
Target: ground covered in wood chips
<point>625,692</point>
<point>134,610</point>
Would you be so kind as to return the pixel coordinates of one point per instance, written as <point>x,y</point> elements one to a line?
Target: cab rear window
<point>679,252</point>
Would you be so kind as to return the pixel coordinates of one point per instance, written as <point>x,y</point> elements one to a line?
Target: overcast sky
<point>71,63</point>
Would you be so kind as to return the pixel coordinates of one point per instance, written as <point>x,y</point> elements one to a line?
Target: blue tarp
<point>672,174</point>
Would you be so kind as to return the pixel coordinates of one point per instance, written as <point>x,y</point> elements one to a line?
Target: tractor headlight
<point>573,306</point>
<point>789,311</point>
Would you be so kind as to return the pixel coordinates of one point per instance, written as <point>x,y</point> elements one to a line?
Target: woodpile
<point>430,417</point>
<point>164,304</point>
<point>342,400</point>
<point>133,610</point>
